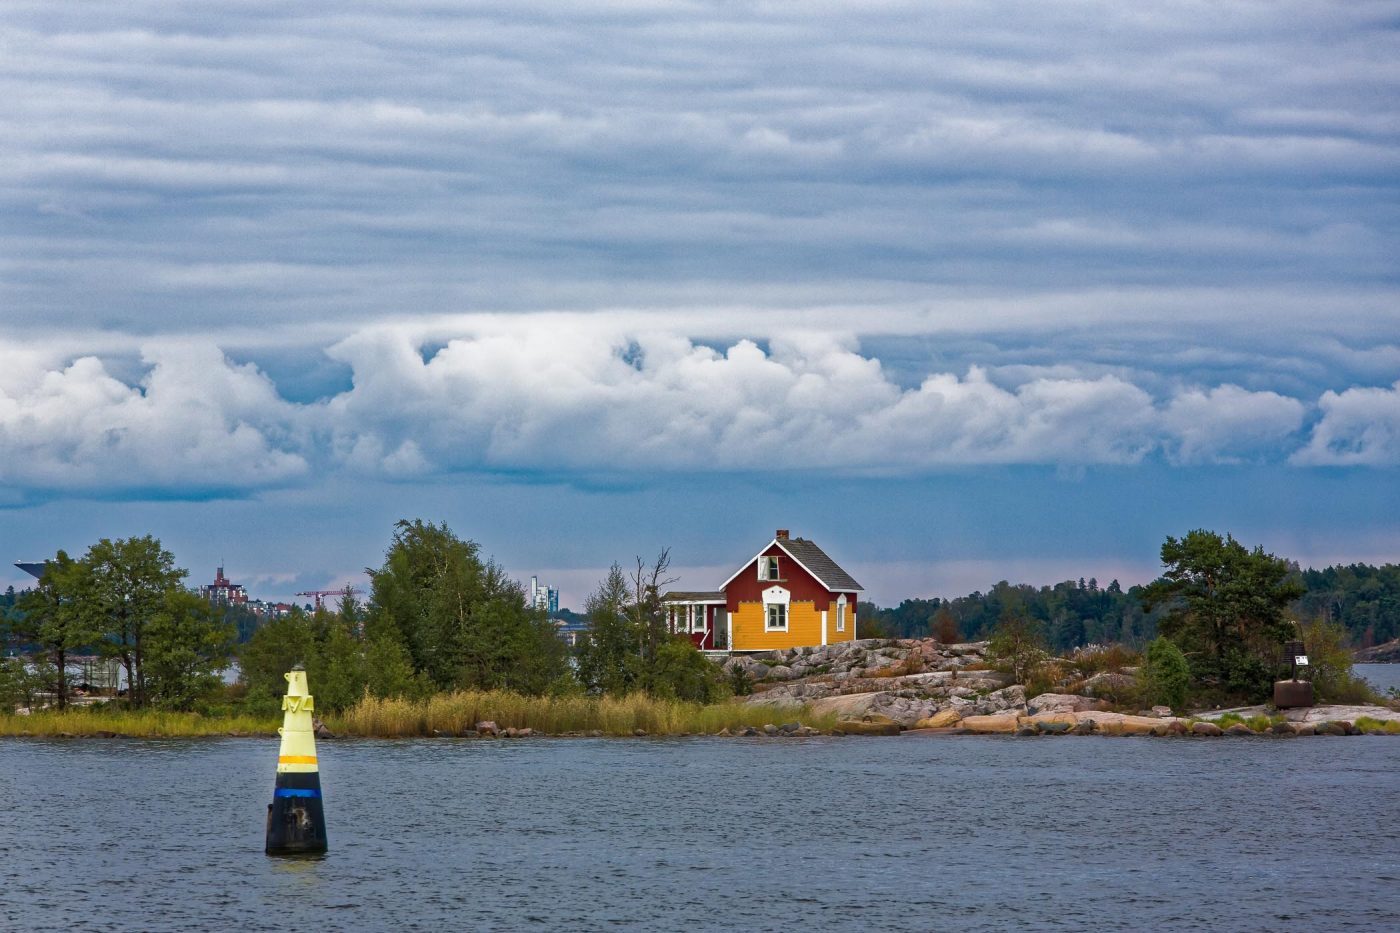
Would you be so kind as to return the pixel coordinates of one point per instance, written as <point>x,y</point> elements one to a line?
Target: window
<point>841,614</point>
<point>768,568</point>
<point>697,618</point>
<point>777,617</point>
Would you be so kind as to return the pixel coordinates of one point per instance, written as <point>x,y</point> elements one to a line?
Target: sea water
<point>908,833</point>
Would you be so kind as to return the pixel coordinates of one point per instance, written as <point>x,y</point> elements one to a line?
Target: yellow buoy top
<point>298,751</point>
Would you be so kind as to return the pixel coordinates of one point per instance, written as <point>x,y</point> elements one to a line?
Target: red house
<point>788,595</point>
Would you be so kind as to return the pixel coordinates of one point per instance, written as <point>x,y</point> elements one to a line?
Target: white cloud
<point>1227,423</point>
<point>1359,427</point>
<point>195,422</point>
<point>560,394</point>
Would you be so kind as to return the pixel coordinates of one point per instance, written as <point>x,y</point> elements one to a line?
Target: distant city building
<point>223,591</point>
<point>543,597</point>
<point>261,607</point>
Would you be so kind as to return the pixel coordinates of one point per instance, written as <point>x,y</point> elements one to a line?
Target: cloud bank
<point>182,167</point>
<point>573,396</point>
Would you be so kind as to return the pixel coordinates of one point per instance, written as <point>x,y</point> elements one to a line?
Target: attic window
<point>768,568</point>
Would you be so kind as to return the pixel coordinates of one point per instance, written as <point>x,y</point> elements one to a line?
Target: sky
<point>962,292</point>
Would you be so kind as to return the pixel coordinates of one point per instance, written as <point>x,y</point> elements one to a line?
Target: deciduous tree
<point>51,619</point>
<point>120,588</point>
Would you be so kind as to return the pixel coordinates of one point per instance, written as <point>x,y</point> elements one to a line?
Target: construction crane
<point>345,592</point>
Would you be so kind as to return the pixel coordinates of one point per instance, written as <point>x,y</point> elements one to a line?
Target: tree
<point>1224,607</point>
<point>187,644</point>
<point>275,648</point>
<point>335,667</point>
<point>945,626</point>
<point>605,654</point>
<point>120,587</point>
<point>649,615</point>
<point>1167,673</point>
<point>17,685</point>
<point>630,647</point>
<point>52,621</point>
<point>1018,644</point>
<point>461,621</point>
<point>1329,664</point>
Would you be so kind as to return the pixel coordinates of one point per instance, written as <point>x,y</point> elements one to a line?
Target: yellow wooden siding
<point>833,636</point>
<point>804,628</point>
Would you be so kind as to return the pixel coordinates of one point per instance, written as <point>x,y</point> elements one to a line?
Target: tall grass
<point>451,713</point>
<point>142,723</point>
<point>455,713</point>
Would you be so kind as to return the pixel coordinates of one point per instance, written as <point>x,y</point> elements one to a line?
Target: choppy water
<point>913,833</point>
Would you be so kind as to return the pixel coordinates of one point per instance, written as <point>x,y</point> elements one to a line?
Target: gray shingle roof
<point>822,567</point>
<point>688,596</point>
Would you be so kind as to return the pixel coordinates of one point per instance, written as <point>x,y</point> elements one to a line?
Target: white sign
<point>1301,660</point>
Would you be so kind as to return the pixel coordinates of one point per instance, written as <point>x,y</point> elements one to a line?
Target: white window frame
<point>765,563</point>
<point>773,597</point>
<point>841,613</point>
<point>697,618</point>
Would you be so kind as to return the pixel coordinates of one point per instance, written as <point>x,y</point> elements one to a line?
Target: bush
<point>1166,675</point>
<point>684,673</point>
<point>1329,665</point>
<point>740,683</point>
<point>1095,659</point>
<point>1017,646</point>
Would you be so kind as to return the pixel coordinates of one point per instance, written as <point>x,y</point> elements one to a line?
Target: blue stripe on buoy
<point>295,792</point>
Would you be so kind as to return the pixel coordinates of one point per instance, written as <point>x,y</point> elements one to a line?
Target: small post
<point>296,824</point>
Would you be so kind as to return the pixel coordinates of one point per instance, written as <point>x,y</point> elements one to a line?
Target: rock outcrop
<point>907,680</point>
<point>1388,653</point>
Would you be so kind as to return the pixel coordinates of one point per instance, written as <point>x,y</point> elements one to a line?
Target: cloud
<point>578,395</point>
<point>195,422</point>
<point>1359,427</point>
<point>375,160</point>
<point>1228,423</point>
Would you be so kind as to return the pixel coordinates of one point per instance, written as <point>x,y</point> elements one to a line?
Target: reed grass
<point>451,713</point>
<point>143,723</point>
<point>456,713</point>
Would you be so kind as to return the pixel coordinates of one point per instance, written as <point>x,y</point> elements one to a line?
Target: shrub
<point>1166,675</point>
<point>1329,665</point>
<point>740,683</point>
<point>1095,659</point>
<point>1017,646</point>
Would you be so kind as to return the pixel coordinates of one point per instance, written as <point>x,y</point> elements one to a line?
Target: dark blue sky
<point>963,293</point>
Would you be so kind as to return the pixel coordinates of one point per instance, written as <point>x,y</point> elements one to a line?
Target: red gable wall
<point>748,588</point>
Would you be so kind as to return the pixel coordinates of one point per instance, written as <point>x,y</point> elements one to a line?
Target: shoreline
<point>1330,720</point>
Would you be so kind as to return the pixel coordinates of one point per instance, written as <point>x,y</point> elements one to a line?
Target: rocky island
<point>887,686</point>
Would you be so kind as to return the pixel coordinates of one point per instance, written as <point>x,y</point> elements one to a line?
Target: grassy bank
<point>450,713</point>
<point>454,712</point>
<point>144,723</point>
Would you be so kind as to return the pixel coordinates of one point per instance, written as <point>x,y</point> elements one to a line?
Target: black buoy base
<point>296,823</point>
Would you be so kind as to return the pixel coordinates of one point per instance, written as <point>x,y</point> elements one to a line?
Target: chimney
<point>781,534</point>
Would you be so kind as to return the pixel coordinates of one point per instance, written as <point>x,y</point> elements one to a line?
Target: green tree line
<point>123,600</point>
<point>440,617</point>
<point>1363,600</point>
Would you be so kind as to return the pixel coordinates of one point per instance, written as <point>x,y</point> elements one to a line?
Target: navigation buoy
<point>296,824</point>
